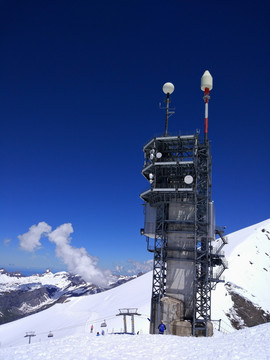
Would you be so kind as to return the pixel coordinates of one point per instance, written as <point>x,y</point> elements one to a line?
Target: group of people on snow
<point>102,333</point>
<point>161,328</point>
<point>98,334</point>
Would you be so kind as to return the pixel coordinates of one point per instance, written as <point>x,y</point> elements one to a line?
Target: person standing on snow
<point>161,328</point>
<point>92,328</point>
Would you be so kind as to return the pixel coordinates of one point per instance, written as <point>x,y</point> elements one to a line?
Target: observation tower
<point>180,227</point>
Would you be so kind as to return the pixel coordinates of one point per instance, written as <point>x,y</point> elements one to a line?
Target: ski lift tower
<point>128,312</point>
<point>180,227</point>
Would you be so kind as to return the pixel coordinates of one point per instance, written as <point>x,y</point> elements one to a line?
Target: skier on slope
<point>161,327</point>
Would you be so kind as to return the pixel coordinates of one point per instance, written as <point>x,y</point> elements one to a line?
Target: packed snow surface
<point>252,344</point>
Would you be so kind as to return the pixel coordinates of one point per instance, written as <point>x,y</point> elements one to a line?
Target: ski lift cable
<point>79,324</point>
<point>102,319</point>
<point>96,321</point>
<point>63,328</point>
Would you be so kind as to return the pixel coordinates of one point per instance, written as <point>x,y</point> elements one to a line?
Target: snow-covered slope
<point>248,344</point>
<point>76,315</point>
<point>244,298</point>
<point>245,290</point>
<point>70,324</point>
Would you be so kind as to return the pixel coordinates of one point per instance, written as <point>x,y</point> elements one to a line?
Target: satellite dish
<point>159,155</point>
<point>188,179</point>
<point>168,88</point>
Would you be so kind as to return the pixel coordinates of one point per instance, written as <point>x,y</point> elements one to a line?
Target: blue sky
<point>80,87</point>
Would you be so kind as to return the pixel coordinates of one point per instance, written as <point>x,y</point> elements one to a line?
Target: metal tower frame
<point>128,312</point>
<point>168,160</point>
<point>203,265</point>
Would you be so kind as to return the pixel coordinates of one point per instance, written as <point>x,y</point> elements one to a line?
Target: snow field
<point>78,314</point>
<point>252,344</point>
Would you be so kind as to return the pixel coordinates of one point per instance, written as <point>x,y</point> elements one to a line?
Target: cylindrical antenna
<point>206,86</point>
<point>168,89</point>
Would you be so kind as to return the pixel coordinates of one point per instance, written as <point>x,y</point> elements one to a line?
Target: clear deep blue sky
<point>79,92</point>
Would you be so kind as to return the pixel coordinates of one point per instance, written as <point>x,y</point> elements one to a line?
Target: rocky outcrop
<point>244,312</point>
<point>17,304</point>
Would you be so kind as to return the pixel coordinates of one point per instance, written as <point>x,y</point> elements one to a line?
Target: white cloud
<point>137,266</point>
<point>77,259</point>
<point>119,268</point>
<point>30,241</point>
<point>134,267</point>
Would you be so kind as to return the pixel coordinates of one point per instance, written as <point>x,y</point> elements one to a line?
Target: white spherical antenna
<point>159,155</point>
<point>206,81</point>
<point>168,88</point>
<point>188,179</point>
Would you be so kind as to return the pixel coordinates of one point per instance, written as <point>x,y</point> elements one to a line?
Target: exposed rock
<point>244,312</point>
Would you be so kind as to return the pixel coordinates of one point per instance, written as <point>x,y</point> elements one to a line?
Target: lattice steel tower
<point>180,227</point>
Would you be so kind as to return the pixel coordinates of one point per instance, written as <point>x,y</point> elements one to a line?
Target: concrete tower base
<point>181,328</point>
<point>172,314</point>
<point>173,317</point>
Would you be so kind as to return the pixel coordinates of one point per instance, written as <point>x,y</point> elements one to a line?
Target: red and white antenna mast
<point>206,86</point>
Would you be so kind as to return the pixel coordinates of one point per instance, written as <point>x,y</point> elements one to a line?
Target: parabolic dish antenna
<point>159,155</point>
<point>188,179</point>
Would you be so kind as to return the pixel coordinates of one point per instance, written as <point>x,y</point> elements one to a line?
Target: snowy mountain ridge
<point>24,295</point>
